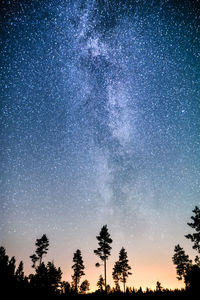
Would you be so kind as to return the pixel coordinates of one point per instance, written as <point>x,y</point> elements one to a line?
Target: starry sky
<point>100,124</point>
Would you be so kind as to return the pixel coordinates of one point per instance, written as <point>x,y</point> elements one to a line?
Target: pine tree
<point>20,272</point>
<point>100,283</point>
<point>84,287</point>
<point>195,237</point>
<point>78,268</point>
<point>104,249</point>
<point>182,262</point>
<point>123,266</point>
<point>116,275</point>
<point>42,245</point>
<point>54,276</point>
<point>159,288</point>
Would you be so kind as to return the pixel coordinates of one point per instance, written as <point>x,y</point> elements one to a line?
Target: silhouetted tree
<point>140,291</point>
<point>42,245</point>
<point>158,286</point>
<point>54,277</point>
<point>47,278</point>
<point>7,270</point>
<point>84,287</point>
<point>195,237</point>
<point>121,269</point>
<point>65,287</point>
<point>39,281</point>
<point>100,283</point>
<point>104,249</point>
<point>192,278</point>
<point>108,289</point>
<point>124,266</point>
<point>185,269</point>
<point>116,275</point>
<point>182,262</point>
<point>197,261</point>
<point>78,268</point>
<point>20,272</point>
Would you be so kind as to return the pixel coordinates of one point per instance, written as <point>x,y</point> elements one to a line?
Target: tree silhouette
<point>65,287</point>
<point>159,288</point>
<point>42,245</point>
<point>78,268</point>
<point>100,283</point>
<point>192,278</point>
<point>104,249</point>
<point>124,266</point>
<point>116,275</point>
<point>47,278</point>
<point>121,269</point>
<point>195,237</point>
<point>84,287</point>
<point>182,262</point>
<point>54,277</point>
<point>7,270</point>
<point>184,266</point>
<point>20,272</point>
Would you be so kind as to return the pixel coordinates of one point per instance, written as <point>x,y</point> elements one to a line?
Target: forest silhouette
<point>46,279</point>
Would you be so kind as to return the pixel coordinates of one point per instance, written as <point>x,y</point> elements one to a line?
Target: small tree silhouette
<point>78,268</point>
<point>42,245</point>
<point>54,277</point>
<point>121,269</point>
<point>123,261</point>
<point>184,266</point>
<point>195,237</point>
<point>65,287</point>
<point>84,287</point>
<point>159,288</point>
<point>20,272</point>
<point>116,275</point>
<point>104,249</point>
<point>7,271</point>
<point>100,283</point>
<point>182,262</point>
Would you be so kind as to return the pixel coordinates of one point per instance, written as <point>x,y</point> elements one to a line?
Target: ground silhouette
<point>46,281</point>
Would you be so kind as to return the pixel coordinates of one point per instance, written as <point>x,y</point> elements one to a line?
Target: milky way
<point>100,119</point>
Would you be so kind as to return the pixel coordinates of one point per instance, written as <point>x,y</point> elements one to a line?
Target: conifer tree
<point>121,269</point>
<point>20,272</point>
<point>104,249</point>
<point>84,287</point>
<point>182,262</point>
<point>78,268</point>
<point>116,275</point>
<point>100,283</point>
<point>195,237</point>
<point>42,245</point>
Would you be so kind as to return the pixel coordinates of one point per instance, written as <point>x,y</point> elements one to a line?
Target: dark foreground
<point>166,294</point>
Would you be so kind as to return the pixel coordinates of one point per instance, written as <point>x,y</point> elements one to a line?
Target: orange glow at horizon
<point>144,276</point>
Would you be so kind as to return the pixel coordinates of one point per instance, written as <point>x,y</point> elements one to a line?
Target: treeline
<point>47,280</point>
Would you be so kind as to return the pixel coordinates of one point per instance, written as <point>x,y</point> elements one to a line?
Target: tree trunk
<point>105,275</point>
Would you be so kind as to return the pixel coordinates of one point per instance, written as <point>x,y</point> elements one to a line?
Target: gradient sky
<point>100,124</point>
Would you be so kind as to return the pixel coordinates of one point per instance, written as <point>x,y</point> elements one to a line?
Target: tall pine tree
<point>78,268</point>
<point>42,245</point>
<point>121,269</point>
<point>103,251</point>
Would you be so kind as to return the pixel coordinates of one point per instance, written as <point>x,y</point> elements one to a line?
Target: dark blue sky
<point>100,123</point>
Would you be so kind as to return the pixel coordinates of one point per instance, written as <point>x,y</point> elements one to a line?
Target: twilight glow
<point>100,124</point>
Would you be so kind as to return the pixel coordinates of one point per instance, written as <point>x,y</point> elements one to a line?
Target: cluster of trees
<point>186,269</point>
<point>47,278</point>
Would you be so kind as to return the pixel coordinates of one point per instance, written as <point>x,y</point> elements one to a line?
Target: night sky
<point>100,124</point>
